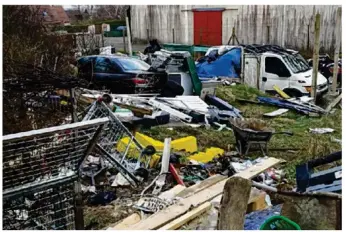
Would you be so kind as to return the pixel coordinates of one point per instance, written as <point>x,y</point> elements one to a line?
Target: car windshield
<point>296,63</point>
<point>133,64</point>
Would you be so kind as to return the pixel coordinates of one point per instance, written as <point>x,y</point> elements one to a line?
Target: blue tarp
<point>223,66</point>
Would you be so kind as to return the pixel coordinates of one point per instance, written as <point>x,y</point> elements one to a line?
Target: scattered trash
<point>321,130</point>
<point>154,204</point>
<point>276,113</point>
<point>120,180</point>
<point>102,198</point>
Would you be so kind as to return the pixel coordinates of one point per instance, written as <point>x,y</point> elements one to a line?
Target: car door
<point>274,72</point>
<point>107,73</point>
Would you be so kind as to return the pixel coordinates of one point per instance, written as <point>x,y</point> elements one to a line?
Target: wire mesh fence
<point>116,144</point>
<point>48,209</point>
<point>40,168</point>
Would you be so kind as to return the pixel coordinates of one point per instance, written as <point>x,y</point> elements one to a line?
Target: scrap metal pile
<point>107,155</point>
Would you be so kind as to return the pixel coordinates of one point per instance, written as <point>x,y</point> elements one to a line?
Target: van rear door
<point>273,72</point>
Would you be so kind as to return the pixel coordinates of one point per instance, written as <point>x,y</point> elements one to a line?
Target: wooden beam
<point>333,103</point>
<point>234,204</point>
<point>201,185</point>
<point>127,222</point>
<point>135,217</point>
<point>316,56</point>
<point>170,213</point>
<point>177,223</point>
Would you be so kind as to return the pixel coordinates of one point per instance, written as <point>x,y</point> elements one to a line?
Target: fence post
<point>337,49</point>
<point>124,40</point>
<point>315,55</point>
<point>173,35</point>
<point>79,217</point>
<point>128,36</point>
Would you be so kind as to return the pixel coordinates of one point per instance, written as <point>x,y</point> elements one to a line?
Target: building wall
<point>251,22</point>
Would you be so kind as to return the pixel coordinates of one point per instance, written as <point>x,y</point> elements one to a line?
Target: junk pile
<point>151,110</point>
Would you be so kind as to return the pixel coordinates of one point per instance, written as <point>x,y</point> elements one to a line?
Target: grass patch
<point>310,146</point>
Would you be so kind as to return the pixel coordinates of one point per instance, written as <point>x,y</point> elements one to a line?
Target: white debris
<point>120,180</point>
<point>321,130</point>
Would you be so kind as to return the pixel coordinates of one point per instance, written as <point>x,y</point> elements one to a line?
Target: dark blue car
<point>120,74</point>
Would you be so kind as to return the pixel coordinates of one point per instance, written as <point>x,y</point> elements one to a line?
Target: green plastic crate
<point>279,223</point>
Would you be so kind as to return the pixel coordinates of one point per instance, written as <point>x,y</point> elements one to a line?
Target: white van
<point>287,70</point>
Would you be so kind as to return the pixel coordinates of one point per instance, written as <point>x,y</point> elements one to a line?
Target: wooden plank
<point>127,222</point>
<point>280,92</point>
<point>161,218</point>
<point>234,204</point>
<point>135,217</point>
<point>172,192</point>
<point>258,168</point>
<point>201,185</point>
<point>177,223</point>
<point>333,103</point>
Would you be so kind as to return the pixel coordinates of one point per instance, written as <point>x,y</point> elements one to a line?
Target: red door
<point>207,27</point>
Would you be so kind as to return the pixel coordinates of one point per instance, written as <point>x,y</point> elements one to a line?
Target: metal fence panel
<point>40,168</point>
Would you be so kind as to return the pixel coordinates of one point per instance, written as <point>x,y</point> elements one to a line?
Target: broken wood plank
<point>333,103</point>
<point>177,223</point>
<point>234,204</point>
<point>170,213</point>
<point>201,185</point>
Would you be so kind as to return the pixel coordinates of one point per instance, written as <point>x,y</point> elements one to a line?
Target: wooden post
<point>124,40</point>
<point>268,34</point>
<point>233,35</point>
<point>79,217</point>
<point>128,36</point>
<point>337,49</point>
<point>236,194</point>
<point>173,35</point>
<point>315,55</point>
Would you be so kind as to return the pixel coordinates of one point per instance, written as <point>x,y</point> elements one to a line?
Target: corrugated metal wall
<point>252,23</point>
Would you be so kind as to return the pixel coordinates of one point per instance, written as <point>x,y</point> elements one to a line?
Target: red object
<point>175,175</point>
<point>207,27</point>
<point>139,81</point>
